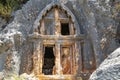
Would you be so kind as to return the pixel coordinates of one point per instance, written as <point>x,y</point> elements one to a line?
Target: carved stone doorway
<point>48,60</point>
<point>57,45</point>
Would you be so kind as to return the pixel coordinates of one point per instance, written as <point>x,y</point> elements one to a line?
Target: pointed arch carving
<point>60,7</point>
<point>68,49</point>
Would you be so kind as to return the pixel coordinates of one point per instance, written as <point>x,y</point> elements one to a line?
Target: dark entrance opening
<point>49,61</point>
<point>65,29</point>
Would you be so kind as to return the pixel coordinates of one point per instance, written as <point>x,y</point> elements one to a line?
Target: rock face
<point>3,24</point>
<point>37,30</point>
<point>109,69</point>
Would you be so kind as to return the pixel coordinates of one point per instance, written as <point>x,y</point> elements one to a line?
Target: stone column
<point>41,58</point>
<point>72,29</point>
<point>57,22</point>
<point>77,56</point>
<point>42,27</point>
<point>57,60</point>
<point>36,58</point>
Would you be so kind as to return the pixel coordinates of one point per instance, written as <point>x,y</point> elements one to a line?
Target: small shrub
<point>5,11</point>
<point>8,6</point>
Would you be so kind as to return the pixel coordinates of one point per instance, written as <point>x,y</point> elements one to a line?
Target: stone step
<point>58,77</point>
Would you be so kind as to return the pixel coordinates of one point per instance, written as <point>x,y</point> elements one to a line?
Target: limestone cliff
<point>94,18</point>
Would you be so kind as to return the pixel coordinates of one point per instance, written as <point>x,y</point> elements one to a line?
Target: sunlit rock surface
<point>21,40</point>
<point>109,69</point>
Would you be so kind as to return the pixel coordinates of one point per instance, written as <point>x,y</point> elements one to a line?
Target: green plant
<point>8,6</point>
<point>5,11</point>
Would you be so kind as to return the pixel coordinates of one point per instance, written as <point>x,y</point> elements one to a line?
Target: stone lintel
<point>59,77</point>
<point>56,37</point>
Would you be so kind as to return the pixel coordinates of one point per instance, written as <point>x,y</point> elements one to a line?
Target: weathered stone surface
<point>92,17</point>
<point>2,61</point>
<point>104,24</point>
<point>3,24</point>
<point>5,45</point>
<point>109,69</point>
<point>1,76</point>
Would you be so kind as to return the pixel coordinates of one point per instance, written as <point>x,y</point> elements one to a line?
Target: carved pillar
<point>42,28</point>
<point>57,22</point>
<point>77,56</point>
<point>73,65</point>
<point>72,29</point>
<point>41,58</point>
<point>36,58</point>
<point>57,60</point>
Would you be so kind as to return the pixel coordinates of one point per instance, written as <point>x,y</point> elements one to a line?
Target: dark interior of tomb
<point>49,61</point>
<point>65,29</point>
